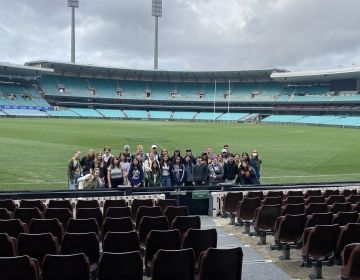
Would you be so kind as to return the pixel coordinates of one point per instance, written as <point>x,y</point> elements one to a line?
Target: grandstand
<point>269,96</point>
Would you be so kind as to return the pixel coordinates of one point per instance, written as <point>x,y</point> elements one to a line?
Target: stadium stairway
<point>254,265</point>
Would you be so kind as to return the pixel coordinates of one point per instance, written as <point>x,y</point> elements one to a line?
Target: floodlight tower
<point>156,12</point>
<point>73,4</point>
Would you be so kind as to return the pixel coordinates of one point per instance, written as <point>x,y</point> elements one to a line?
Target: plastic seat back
<point>200,240</point>
<point>37,245</point>
<point>184,223</point>
<point>120,242</point>
<point>18,268</point>
<point>127,265</point>
<point>173,264</point>
<point>66,267</point>
<point>87,243</point>
<point>225,264</point>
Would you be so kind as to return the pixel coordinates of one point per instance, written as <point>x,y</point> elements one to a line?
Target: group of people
<point>161,169</point>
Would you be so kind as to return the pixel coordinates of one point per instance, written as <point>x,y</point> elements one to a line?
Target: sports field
<point>35,152</point>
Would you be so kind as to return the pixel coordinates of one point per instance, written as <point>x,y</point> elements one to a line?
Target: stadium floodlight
<point>156,12</point>
<point>73,4</point>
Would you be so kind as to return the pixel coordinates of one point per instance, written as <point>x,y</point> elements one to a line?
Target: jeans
<point>73,184</point>
<point>166,181</point>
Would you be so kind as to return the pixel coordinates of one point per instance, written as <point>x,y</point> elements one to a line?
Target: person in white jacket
<point>91,181</point>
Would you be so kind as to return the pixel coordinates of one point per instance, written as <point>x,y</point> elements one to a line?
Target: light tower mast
<point>156,12</point>
<point>73,4</point>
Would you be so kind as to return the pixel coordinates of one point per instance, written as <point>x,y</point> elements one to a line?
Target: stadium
<point>303,123</point>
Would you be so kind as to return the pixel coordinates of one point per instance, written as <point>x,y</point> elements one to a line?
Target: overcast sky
<point>193,34</point>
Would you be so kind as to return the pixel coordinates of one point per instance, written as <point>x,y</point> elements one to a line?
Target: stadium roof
<point>19,70</point>
<point>317,75</point>
<point>95,71</point>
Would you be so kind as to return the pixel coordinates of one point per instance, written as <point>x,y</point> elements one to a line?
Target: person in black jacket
<point>200,172</point>
<point>231,170</point>
<point>247,174</point>
<point>87,162</point>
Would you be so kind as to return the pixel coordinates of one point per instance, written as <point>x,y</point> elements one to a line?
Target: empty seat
<point>314,199</point>
<point>173,264</point>
<point>160,239</point>
<point>62,214</point>
<point>66,267</point>
<point>183,223</point>
<point>316,208</point>
<point>335,198</point>
<point>329,192</point>
<point>87,204</point>
<point>200,240</point>
<point>120,242</point>
<point>88,213</point>
<point>275,194</point>
<point>87,243</point>
<point>292,209</point>
<point>319,243</point>
<point>60,204</point>
<point>318,219</point>
<point>117,225</point>
<point>340,207</point>
<point>351,262</point>
<point>272,200</point>
<point>289,230</point>
<point>6,214</point>
<point>149,211</point>
<point>9,204</point>
<point>83,226</point>
<point>293,200</point>
<point>246,210</point>
<point>47,225</point>
<point>294,193</point>
<point>348,192</point>
<point>343,218</point>
<point>127,265</point>
<point>19,268</point>
<point>224,264</point>
<point>265,219</point>
<point>312,193</point>
<point>163,203</point>
<point>12,227</point>
<point>37,245</point>
<point>353,199</point>
<point>171,212</point>
<point>7,246</point>
<point>32,203</point>
<point>148,224</point>
<point>118,212</point>
<point>348,234</point>
<point>136,203</point>
<point>114,203</point>
<point>231,200</point>
<point>254,194</point>
<point>356,207</point>
<point>26,214</point>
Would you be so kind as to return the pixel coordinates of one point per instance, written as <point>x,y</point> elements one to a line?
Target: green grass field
<point>35,152</point>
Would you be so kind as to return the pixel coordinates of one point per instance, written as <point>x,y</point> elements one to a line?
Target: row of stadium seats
<point>20,96</point>
<point>326,120</point>
<point>321,236</point>
<point>154,233</point>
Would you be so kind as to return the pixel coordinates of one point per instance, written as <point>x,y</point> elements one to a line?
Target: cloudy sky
<point>193,34</point>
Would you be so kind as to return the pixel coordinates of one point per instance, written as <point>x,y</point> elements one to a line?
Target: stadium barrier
<point>200,200</point>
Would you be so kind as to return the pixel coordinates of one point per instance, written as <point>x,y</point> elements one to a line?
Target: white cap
<point>154,147</point>
<point>126,147</point>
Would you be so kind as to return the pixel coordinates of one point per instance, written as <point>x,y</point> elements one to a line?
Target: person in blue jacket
<point>136,174</point>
